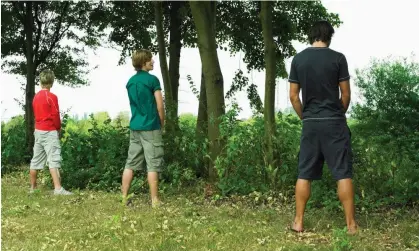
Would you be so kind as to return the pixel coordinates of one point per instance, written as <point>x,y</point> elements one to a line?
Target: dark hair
<point>321,31</point>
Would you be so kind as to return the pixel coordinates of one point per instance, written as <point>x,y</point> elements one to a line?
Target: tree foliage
<point>61,32</point>
<point>291,21</point>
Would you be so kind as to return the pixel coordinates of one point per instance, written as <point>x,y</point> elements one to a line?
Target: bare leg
<point>33,175</point>
<point>302,194</point>
<point>55,178</point>
<point>153,182</point>
<point>346,197</point>
<point>126,181</point>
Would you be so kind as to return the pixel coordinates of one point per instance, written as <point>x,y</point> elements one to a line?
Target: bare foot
<point>156,203</point>
<point>297,226</point>
<point>352,230</point>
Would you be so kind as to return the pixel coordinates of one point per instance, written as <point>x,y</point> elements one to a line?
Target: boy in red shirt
<point>47,129</point>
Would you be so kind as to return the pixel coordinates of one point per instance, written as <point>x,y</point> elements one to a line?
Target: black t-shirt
<point>318,71</point>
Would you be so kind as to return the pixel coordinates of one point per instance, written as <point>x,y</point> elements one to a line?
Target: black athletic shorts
<point>325,140</point>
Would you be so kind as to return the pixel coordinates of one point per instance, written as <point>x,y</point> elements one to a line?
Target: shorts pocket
<point>158,153</point>
<point>158,150</point>
<point>54,158</point>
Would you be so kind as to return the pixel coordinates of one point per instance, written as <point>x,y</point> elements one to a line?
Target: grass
<point>92,220</point>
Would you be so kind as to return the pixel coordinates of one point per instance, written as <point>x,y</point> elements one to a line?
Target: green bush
<point>13,141</point>
<point>386,141</point>
<point>243,169</point>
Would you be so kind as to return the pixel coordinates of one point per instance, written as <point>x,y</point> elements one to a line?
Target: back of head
<point>47,78</point>
<point>321,31</point>
<point>140,58</point>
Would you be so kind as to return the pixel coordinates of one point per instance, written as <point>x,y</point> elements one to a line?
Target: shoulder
<point>152,77</point>
<point>337,55</point>
<point>52,96</point>
<point>153,80</point>
<point>300,55</point>
<point>133,78</point>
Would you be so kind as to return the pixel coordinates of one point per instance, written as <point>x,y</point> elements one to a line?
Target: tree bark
<point>204,18</point>
<point>30,77</point>
<point>269,106</point>
<point>202,121</point>
<point>174,53</point>
<point>202,127</point>
<point>158,12</point>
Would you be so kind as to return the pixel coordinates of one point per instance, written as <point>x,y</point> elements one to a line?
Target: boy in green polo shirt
<point>147,122</point>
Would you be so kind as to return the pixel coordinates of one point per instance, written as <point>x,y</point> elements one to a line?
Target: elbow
<point>346,96</point>
<point>294,98</point>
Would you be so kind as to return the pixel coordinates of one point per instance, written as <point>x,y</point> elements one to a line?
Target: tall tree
<point>158,13</point>
<point>176,18</point>
<point>41,35</point>
<point>266,14</point>
<point>204,16</point>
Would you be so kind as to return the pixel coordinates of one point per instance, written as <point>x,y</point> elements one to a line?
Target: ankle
<point>298,219</point>
<point>351,230</point>
<point>352,225</point>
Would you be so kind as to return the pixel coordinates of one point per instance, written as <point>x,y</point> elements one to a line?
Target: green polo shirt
<point>141,88</point>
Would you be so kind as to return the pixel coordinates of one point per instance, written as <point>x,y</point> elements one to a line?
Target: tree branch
<point>38,34</point>
<point>18,7</point>
<point>57,35</point>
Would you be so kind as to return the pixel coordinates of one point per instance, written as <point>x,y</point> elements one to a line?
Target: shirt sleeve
<point>293,77</point>
<point>55,112</point>
<point>343,69</point>
<point>156,84</point>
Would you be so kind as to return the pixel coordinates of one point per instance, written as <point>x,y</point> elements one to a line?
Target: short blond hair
<point>140,58</point>
<point>47,78</point>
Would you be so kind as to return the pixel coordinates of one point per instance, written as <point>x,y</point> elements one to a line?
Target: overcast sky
<point>371,29</point>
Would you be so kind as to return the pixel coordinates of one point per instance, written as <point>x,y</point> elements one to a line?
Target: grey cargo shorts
<point>148,146</point>
<point>46,149</point>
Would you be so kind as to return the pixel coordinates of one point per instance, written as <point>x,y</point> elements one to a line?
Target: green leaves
<point>60,33</point>
<point>291,21</point>
<point>387,124</point>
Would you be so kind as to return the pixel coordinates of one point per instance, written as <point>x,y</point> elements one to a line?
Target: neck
<point>319,44</point>
<point>144,69</point>
<point>45,88</point>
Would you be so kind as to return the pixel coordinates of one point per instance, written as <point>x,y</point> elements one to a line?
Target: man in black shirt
<point>321,73</point>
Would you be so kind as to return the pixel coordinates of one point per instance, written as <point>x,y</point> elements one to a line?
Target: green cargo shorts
<point>46,148</point>
<point>148,146</point>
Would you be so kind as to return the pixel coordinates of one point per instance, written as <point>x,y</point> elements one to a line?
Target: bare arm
<point>345,90</point>
<point>160,106</point>
<point>295,99</point>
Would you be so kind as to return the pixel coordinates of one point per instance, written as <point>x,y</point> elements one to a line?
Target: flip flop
<point>294,230</point>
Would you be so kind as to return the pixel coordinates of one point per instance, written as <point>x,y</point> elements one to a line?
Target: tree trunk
<point>202,127</point>
<point>204,18</point>
<point>269,106</point>
<point>30,77</point>
<point>158,11</point>
<point>174,53</point>
<point>202,121</point>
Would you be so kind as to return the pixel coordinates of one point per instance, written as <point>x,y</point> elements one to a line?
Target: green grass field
<point>187,221</point>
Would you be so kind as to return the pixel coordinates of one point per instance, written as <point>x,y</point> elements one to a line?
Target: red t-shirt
<point>46,111</point>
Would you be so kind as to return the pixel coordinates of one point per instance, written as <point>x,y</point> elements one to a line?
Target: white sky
<point>371,29</point>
